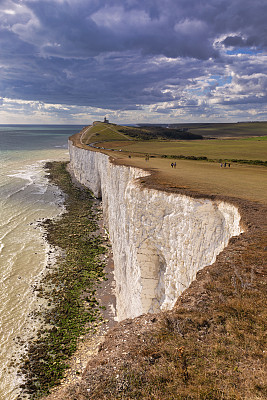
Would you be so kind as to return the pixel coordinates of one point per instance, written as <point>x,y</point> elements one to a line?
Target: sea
<point>26,197</point>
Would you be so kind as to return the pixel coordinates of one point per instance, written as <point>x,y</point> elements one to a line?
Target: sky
<point>77,61</point>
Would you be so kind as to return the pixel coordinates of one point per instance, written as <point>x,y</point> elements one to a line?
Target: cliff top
<point>205,177</point>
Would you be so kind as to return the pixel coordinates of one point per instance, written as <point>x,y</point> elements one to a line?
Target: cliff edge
<point>190,270</point>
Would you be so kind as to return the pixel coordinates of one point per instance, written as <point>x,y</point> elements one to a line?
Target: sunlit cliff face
<point>159,240</point>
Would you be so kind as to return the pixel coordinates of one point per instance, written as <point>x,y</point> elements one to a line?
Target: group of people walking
<point>173,164</point>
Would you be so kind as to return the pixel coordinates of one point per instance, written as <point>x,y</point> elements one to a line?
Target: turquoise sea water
<point>25,197</point>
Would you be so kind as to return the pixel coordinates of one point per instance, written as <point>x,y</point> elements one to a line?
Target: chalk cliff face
<point>159,240</point>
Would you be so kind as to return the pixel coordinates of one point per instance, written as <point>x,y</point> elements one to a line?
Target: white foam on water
<point>31,174</point>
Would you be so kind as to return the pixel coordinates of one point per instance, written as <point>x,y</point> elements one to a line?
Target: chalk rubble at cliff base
<point>159,240</point>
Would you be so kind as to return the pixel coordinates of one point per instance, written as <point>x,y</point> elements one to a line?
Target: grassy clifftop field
<point>102,131</point>
<point>167,142</point>
<point>237,130</point>
<point>198,162</point>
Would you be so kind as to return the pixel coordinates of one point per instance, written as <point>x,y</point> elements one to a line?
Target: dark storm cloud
<point>171,28</point>
<point>122,54</point>
<point>237,41</point>
<point>83,29</point>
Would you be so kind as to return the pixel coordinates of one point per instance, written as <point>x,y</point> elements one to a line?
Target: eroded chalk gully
<point>159,240</point>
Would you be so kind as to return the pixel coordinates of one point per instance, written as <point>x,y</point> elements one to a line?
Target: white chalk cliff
<point>159,240</point>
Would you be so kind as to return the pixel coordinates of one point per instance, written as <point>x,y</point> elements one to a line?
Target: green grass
<point>102,132</point>
<point>157,132</point>
<point>110,132</point>
<point>248,149</point>
<point>244,149</point>
<point>228,129</point>
<point>258,139</point>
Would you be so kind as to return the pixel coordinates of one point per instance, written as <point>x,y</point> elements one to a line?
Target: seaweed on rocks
<point>68,288</point>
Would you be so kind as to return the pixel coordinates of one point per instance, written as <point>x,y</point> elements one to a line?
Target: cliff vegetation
<point>70,309</point>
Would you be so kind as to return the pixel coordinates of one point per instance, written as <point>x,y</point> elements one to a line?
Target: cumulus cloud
<point>177,58</point>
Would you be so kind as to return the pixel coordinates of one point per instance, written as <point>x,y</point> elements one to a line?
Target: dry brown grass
<point>241,181</point>
<point>210,347</point>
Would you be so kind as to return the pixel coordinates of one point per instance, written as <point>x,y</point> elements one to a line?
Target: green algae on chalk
<point>68,288</point>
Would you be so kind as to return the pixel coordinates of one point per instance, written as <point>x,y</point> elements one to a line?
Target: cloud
<point>176,57</point>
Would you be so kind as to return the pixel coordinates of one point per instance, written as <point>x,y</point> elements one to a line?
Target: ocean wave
<point>30,173</point>
<point>10,224</point>
<point>34,176</point>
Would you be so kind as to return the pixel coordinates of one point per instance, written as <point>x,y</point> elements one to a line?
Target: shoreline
<point>89,346</point>
<point>29,325</point>
<point>53,288</point>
